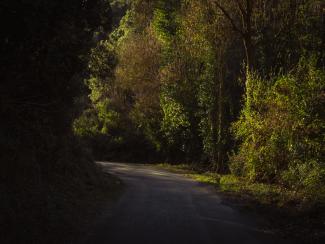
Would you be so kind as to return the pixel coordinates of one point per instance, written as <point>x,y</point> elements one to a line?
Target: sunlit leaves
<point>282,130</point>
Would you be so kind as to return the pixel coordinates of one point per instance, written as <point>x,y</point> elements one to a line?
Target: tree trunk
<point>248,34</point>
<point>220,126</point>
<point>249,52</point>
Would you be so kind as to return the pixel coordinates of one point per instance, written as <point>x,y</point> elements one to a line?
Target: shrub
<point>281,129</point>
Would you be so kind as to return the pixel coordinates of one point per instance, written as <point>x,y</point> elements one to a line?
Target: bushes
<point>43,56</point>
<point>281,129</point>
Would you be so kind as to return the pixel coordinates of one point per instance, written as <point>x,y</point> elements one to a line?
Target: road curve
<point>159,207</point>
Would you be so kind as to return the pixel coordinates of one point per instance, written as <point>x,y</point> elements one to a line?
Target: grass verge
<point>291,213</point>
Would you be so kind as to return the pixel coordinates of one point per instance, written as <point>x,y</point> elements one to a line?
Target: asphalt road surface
<point>159,207</point>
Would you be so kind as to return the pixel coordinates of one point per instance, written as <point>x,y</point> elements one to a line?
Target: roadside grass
<point>260,192</point>
<point>291,213</point>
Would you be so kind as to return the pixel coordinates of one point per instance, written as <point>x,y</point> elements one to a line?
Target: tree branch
<point>227,15</point>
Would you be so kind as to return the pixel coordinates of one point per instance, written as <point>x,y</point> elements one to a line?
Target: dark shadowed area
<point>162,207</point>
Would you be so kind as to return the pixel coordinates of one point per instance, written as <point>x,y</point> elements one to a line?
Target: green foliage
<point>282,129</point>
<point>121,112</point>
<point>101,117</point>
<point>171,75</point>
<point>175,124</point>
<point>165,22</point>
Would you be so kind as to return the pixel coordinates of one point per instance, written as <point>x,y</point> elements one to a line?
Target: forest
<point>233,87</point>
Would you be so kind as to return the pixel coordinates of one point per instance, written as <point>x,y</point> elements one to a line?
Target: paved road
<point>159,207</point>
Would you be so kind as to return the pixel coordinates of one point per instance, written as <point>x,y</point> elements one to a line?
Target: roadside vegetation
<point>289,212</point>
<point>235,87</point>
<point>261,192</point>
<point>50,187</point>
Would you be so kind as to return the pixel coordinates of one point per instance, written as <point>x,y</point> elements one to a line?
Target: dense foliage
<point>44,49</point>
<point>281,129</point>
<point>43,53</point>
<point>233,86</point>
<point>204,81</point>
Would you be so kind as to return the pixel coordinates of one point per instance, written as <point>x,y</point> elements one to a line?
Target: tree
<point>280,129</point>
<point>44,49</point>
<point>245,10</point>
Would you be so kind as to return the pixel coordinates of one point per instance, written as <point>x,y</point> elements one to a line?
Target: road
<point>159,207</point>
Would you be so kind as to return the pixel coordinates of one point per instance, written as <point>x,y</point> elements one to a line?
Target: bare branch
<point>227,15</point>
